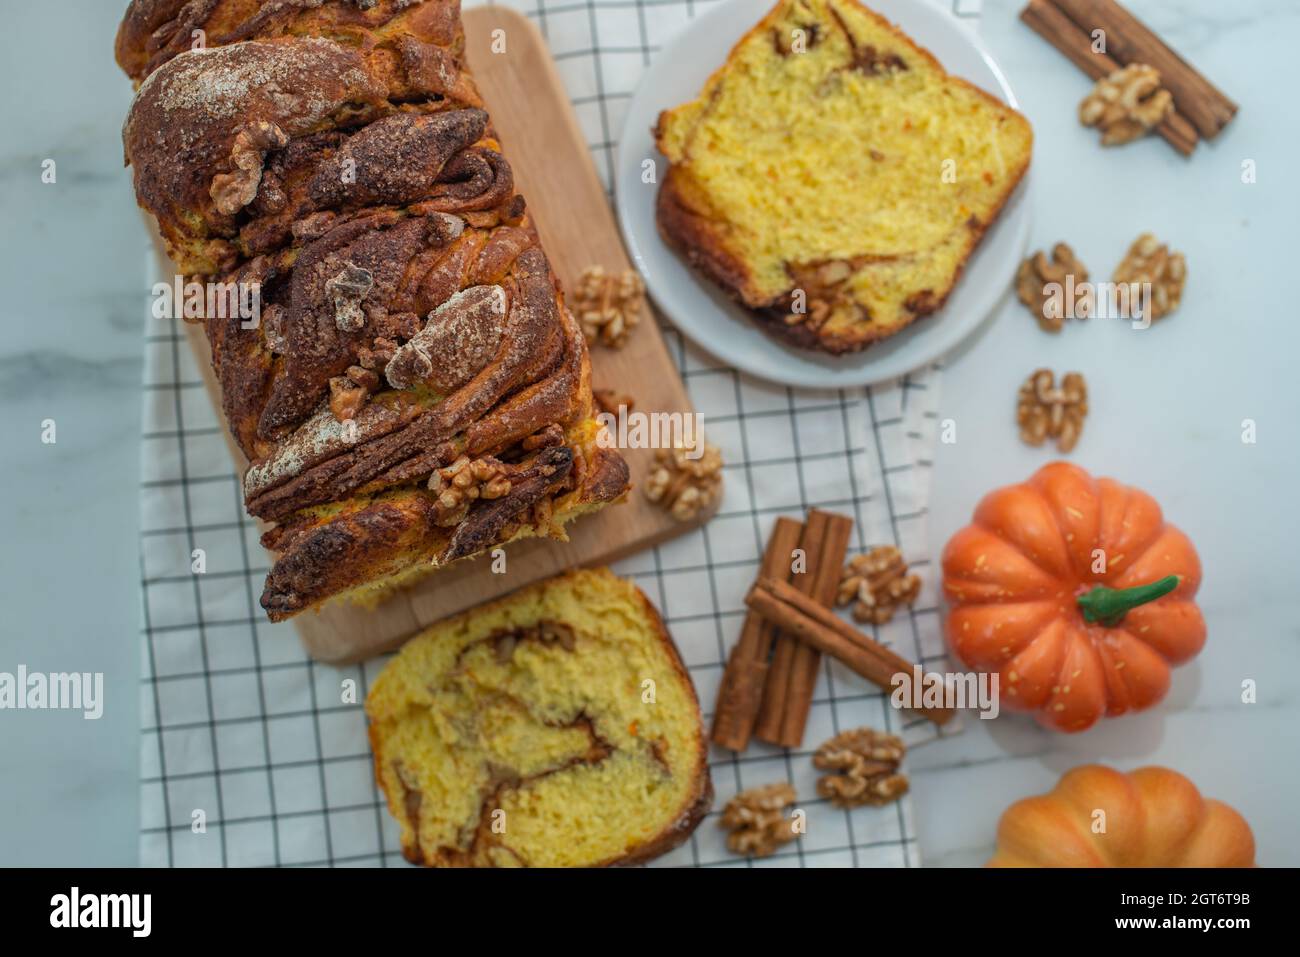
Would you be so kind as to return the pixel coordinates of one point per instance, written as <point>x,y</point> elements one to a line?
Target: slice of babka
<point>554,727</point>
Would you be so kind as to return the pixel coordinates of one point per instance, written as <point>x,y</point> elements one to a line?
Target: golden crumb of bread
<point>833,176</point>
<point>555,727</point>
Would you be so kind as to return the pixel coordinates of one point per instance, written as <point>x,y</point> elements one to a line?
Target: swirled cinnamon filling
<point>553,728</point>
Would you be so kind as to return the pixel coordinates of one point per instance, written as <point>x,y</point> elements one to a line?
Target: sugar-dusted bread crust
<point>706,231</point>
<point>428,673</point>
<point>335,155</point>
<point>155,31</point>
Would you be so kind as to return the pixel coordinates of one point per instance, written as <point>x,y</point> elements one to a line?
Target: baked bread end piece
<point>833,178</point>
<point>556,727</point>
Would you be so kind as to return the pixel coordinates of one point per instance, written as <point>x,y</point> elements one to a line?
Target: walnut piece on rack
<point>683,485</point>
<point>1049,306</point>
<point>864,765</point>
<point>1126,104</point>
<point>1149,261</point>
<point>1044,411</point>
<point>465,481</point>
<point>608,307</point>
<point>877,584</point>
<point>757,821</point>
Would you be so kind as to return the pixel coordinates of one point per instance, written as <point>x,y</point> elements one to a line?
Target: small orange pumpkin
<point>1098,817</point>
<point>1076,593</point>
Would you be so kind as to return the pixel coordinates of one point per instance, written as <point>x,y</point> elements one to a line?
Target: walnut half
<point>864,765</point>
<point>877,584</point>
<point>608,307</point>
<point>1149,261</point>
<point>685,486</point>
<point>1045,412</point>
<point>1038,272</point>
<point>757,821</point>
<point>464,482</point>
<point>1126,104</point>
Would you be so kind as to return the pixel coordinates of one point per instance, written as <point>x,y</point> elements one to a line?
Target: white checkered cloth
<point>253,755</point>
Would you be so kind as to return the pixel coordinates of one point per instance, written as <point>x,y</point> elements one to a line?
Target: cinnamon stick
<point>1068,38</point>
<point>1129,40</point>
<point>772,711</point>
<point>806,661</point>
<point>741,691</point>
<point>798,615</point>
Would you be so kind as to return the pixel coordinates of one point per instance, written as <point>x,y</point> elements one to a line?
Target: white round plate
<point>717,324</point>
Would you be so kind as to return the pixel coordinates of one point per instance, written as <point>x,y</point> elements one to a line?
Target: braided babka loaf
<point>415,391</point>
<point>554,727</point>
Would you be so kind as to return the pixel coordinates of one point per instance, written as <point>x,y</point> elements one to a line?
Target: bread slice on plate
<point>556,727</point>
<point>833,178</point>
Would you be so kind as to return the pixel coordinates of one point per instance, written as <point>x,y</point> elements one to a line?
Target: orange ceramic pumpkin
<point>1076,593</point>
<point>1098,817</point>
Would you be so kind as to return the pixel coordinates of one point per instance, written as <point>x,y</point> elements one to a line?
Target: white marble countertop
<point>1166,411</point>
<point>71,258</point>
<point>1166,407</point>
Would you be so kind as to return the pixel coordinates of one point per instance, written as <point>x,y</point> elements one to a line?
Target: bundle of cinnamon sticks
<point>1100,37</point>
<point>767,688</point>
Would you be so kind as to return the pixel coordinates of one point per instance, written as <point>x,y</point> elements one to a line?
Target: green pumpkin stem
<point>1108,606</point>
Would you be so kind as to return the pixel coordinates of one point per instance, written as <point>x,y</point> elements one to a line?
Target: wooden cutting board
<point>553,170</point>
